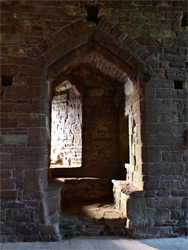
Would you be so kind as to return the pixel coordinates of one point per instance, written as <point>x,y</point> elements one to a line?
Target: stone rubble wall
<point>99,130</point>
<point>66,130</point>
<point>151,32</point>
<point>148,214</point>
<point>134,109</point>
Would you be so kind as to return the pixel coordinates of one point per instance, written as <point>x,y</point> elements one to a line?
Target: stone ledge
<point>127,198</point>
<point>80,179</point>
<point>125,187</point>
<point>84,188</point>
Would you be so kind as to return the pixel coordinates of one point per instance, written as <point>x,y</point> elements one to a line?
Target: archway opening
<point>110,126</point>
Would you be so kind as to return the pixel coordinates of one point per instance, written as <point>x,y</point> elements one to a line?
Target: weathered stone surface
<point>9,227</point>
<point>66,133</point>
<point>37,137</point>
<point>92,219</point>
<point>47,42</point>
<point>28,228</point>
<point>12,39</point>
<point>13,139</point>
<point>185,203</point>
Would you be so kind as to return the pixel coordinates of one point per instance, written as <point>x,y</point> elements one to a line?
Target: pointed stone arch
<point>75,41</point>
<point>62,49</point>
<point>62,43</point>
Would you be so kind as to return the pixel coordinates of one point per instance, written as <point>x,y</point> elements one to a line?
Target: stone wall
<point>134,110</point>
<point>99,132</point>
<point>144,40</point>
<point>66,129</point>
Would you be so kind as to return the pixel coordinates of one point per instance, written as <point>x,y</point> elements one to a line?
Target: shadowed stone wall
<point>144,39</point>
<point>99,130</point>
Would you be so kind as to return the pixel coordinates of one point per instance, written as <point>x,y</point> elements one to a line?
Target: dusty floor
<point>102,243</point>
<point>92,218</point>
<point>103,209</point>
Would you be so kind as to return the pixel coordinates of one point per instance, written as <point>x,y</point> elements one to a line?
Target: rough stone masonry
<point>97,49</point>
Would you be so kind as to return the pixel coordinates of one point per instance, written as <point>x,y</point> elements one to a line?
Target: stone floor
<point>103,243</point>
<point>90,218</point>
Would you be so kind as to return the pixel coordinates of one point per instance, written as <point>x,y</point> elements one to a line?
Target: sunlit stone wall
<point>66,130</point>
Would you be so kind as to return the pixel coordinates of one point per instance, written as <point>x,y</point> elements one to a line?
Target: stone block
<point>31,120</point>
<point>5,157</point>
<point>162,216</point>
<point>17,93</point>
<point>164,193</point>
<point>19,185</point>
<point>162,34</point>
<point>7,184</point>
<point>53,204</point>
<point>183,116</point>
<point>6,165</point>
<point>172,58</point>
<point>123,201</point>
<point>6,107</point>
<point>184,204</point>
<point>38,93</point>
<point>177,65</point>
<point>24,164</point>
<point>181,42</point>
<point>12,39</point>
<point>13,139</point>
<point>32,238</point>
<point>9,194</point>
<point>35,153</point>
<point>159,232</point>
<point>37,137</point>
<point>163,139</point>
<point>168,203</point>
<point>2,216</point>
<point>5,173</point>
<point>31,195</point>
<point>135,209</point>
<point>9,70</point>
<point>179,193</point>
<point>178,75</point>
<point>28,228</point>
<point>12,204</point>
<point>20,60</point>
<point>149,193</point>
<point>153,183</point>
<point>172,156</point>
<point>164,93</point>
<point>176,214</point>
<point>31,181</point>
<point>20,214</point>
<point>9,122</point>
<point>9,228</point>
<point>152,154</point>
<point>9,214</point>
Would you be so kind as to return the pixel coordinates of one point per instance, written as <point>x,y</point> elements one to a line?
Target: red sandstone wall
<point>134,109</point>
<point>66,130</point>
<point>147,33</point>
<point>99,130</point>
